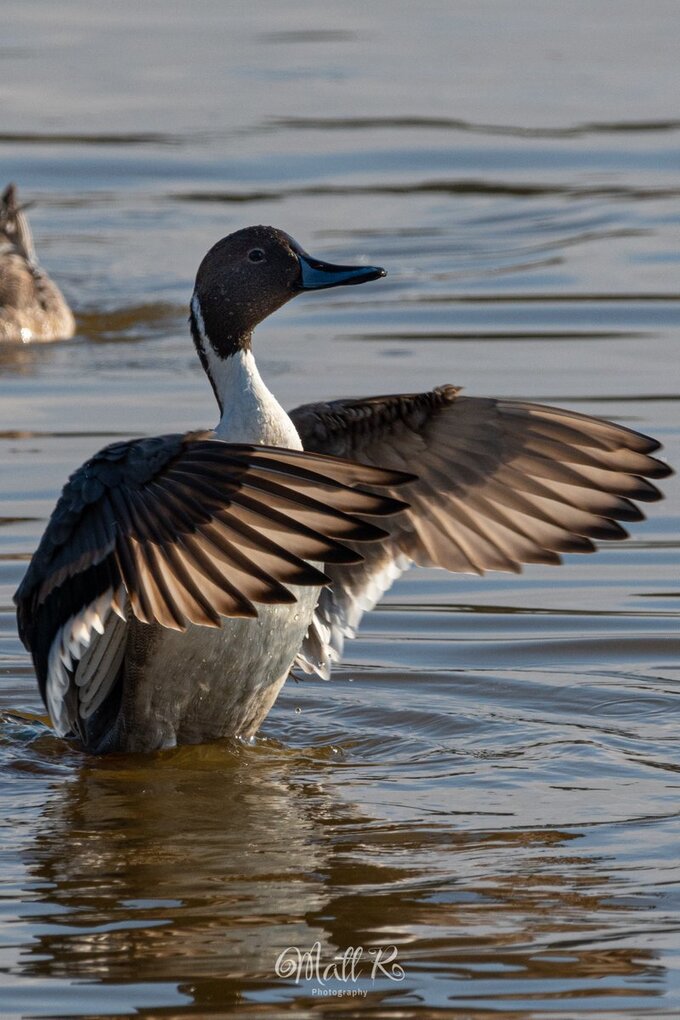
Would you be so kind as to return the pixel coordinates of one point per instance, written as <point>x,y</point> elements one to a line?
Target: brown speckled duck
<point>181,577</point>
<point>32,308</point>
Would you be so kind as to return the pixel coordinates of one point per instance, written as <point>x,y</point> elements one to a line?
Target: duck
<point>181,578</point>
<point>32,307</point>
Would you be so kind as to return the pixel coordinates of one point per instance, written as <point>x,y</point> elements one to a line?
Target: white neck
<point>250,412</point>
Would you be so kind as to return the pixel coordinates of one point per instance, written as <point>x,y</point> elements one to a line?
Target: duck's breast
<point>205,683</point>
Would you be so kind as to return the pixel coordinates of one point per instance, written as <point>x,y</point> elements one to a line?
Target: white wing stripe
<point>334,622</point>
<point>69,643</point>
<point>100,667</point>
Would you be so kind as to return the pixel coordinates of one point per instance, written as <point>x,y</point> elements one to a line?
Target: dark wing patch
<point>500,483</point>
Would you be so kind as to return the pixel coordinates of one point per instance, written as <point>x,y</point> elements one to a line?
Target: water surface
<point>490,781</point>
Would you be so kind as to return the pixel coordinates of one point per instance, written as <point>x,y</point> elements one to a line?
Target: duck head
<point>248,275</point>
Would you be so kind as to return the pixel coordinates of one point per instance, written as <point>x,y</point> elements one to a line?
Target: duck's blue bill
<point>316,275</point>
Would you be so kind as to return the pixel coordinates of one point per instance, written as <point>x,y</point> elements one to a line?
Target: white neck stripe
<point>250,413</point>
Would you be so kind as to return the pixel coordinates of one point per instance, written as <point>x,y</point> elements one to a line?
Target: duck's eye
<point>256,255</point>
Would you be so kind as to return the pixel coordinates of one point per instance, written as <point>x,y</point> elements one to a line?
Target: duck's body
<point>178,581</point>
<point>185,687</point>
<point>203,683</point>
<point>31,305</point>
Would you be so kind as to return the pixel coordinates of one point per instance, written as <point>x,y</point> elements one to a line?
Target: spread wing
<point>181,529</point>
<point>500,483</point>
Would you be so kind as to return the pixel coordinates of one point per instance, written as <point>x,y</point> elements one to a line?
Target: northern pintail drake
<point>182,577</point>
<point>31,305</point>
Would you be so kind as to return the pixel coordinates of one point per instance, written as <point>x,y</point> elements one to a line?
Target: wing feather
<point>177,530</point>
<point>500,483</point>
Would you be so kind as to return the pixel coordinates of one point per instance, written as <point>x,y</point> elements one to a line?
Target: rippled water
<point>490,781</point>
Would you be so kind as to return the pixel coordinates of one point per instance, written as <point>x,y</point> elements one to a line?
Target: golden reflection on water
<point>200,866</point>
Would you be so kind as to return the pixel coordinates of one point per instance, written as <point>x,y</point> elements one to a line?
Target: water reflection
<point>130,323</point>
<point>195,859</point>
<point>198,867</point>
<point>23,359</point>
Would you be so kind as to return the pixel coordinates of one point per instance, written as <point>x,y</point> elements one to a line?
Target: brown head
<point>247,276</point>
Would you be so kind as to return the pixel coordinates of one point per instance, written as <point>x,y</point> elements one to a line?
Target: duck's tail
<point>14,228</point>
